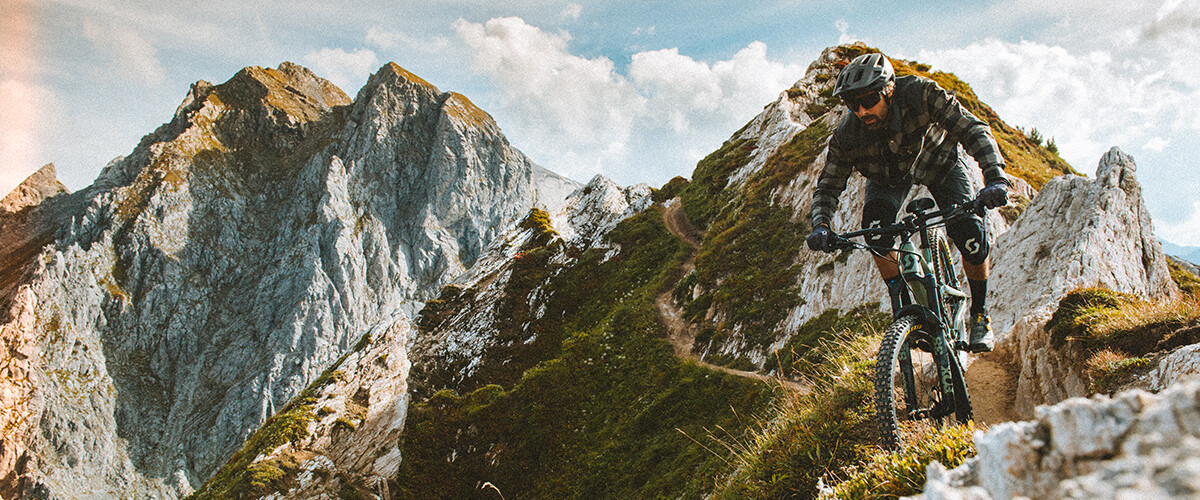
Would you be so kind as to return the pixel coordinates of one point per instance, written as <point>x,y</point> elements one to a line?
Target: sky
<point>638,91</point>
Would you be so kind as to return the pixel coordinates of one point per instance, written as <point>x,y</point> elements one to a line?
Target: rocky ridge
<point>238,251</point>
<point>1076,233</point>
<point>825,281</point>
<point>461,339</point>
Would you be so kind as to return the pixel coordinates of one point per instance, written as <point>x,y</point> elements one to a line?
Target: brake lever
<point>979,209</point>
<point>839,244</point>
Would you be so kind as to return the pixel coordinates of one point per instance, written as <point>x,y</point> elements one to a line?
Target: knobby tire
<point>908,335</point>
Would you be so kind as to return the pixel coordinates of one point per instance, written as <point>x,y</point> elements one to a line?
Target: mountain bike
<point>919,378</point>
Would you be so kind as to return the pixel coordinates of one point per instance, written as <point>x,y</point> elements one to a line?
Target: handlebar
<point>909,225</point>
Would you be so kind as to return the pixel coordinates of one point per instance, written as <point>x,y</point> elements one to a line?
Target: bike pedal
<point>962,345</point>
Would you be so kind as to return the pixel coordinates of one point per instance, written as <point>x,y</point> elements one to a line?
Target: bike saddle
<point>919,205</point>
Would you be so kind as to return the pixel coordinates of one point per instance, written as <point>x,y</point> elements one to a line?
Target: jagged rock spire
<point>1080,232</point>
<point>35,188</point>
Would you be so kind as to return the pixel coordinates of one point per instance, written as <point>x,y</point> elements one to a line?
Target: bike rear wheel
<point>907,391</point>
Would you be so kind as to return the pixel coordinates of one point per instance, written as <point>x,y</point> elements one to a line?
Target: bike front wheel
<point>909,400</point>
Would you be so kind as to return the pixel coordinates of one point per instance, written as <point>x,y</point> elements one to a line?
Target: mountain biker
<point>905,131</point>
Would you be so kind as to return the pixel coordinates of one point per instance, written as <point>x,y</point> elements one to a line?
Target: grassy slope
<point>610,414</point>
<point>827,435</point>
<point>745,268</point>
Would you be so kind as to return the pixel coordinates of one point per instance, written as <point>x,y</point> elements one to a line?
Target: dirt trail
<point>992,384</point>
<point>680,333</point>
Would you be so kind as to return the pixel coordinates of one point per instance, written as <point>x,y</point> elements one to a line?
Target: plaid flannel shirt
<point>920,144</point>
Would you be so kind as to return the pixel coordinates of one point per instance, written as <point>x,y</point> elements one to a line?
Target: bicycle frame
<point>923,270</point>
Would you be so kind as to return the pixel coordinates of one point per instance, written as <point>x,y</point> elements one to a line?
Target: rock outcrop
<point>204,280</point>
<point>454,350</point>
<point>1076,233</point>
<point>26,225</point>
<point>1134,445</point>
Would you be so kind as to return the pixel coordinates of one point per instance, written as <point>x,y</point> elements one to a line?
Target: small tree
<point>1035,136</point>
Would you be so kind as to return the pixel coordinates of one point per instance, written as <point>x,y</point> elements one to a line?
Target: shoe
<point>980,327</point>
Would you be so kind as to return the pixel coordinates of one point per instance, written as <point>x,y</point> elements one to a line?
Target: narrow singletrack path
<point>993,388</point>
<point>680,333</point>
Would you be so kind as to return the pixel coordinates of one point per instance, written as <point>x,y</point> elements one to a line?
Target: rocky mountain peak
<point>238,251</point>
<point>1076,233</point>
<point>393,71</point>
<point>34,189</point>
<point>1066,235</point>
<point>291,93</point>
<point>462,109</point>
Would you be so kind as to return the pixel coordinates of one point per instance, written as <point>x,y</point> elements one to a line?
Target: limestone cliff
<point>1076,233</point>
<point>471,336</point>
<point>205,279</point>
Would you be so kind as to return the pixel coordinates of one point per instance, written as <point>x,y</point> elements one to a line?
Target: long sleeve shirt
<point>919,144</point>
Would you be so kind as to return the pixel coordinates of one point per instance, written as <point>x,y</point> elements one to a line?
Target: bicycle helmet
<point>865,73</point>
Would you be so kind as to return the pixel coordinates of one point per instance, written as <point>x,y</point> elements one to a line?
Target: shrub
<point>670,190</point>
<point>1107,370</point>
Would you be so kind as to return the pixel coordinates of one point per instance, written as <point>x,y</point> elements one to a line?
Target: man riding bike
<point>905,131</point>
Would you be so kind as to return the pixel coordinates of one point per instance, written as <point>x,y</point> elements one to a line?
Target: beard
<point>872,122</point>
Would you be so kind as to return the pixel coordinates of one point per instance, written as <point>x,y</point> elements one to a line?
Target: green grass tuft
<point>902,473</point>
<point>1188,283</point>
<point>1115,333</point>
<point>821,435</point>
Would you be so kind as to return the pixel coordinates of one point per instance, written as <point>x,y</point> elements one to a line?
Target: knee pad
<point>968,235</point>
<point>879,212</point>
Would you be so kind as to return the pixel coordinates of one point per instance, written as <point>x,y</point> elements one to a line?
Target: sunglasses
<point>868,100</point>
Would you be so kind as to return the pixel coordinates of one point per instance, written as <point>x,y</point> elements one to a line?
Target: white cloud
<point>685,93</point>
<point>391,40</point>
<point>1156,144</point>
<point>844,35</point>
<point>572,105</point>
<point>1088,101</point>
<point>347,70</point>
<point>583,117</point>
<point>571,12</point>
<point>134,58</point>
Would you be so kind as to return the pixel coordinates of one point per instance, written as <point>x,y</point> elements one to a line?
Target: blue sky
<point>637,91</point>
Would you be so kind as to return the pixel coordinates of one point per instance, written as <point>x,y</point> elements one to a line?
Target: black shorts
<point>968,233</point>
